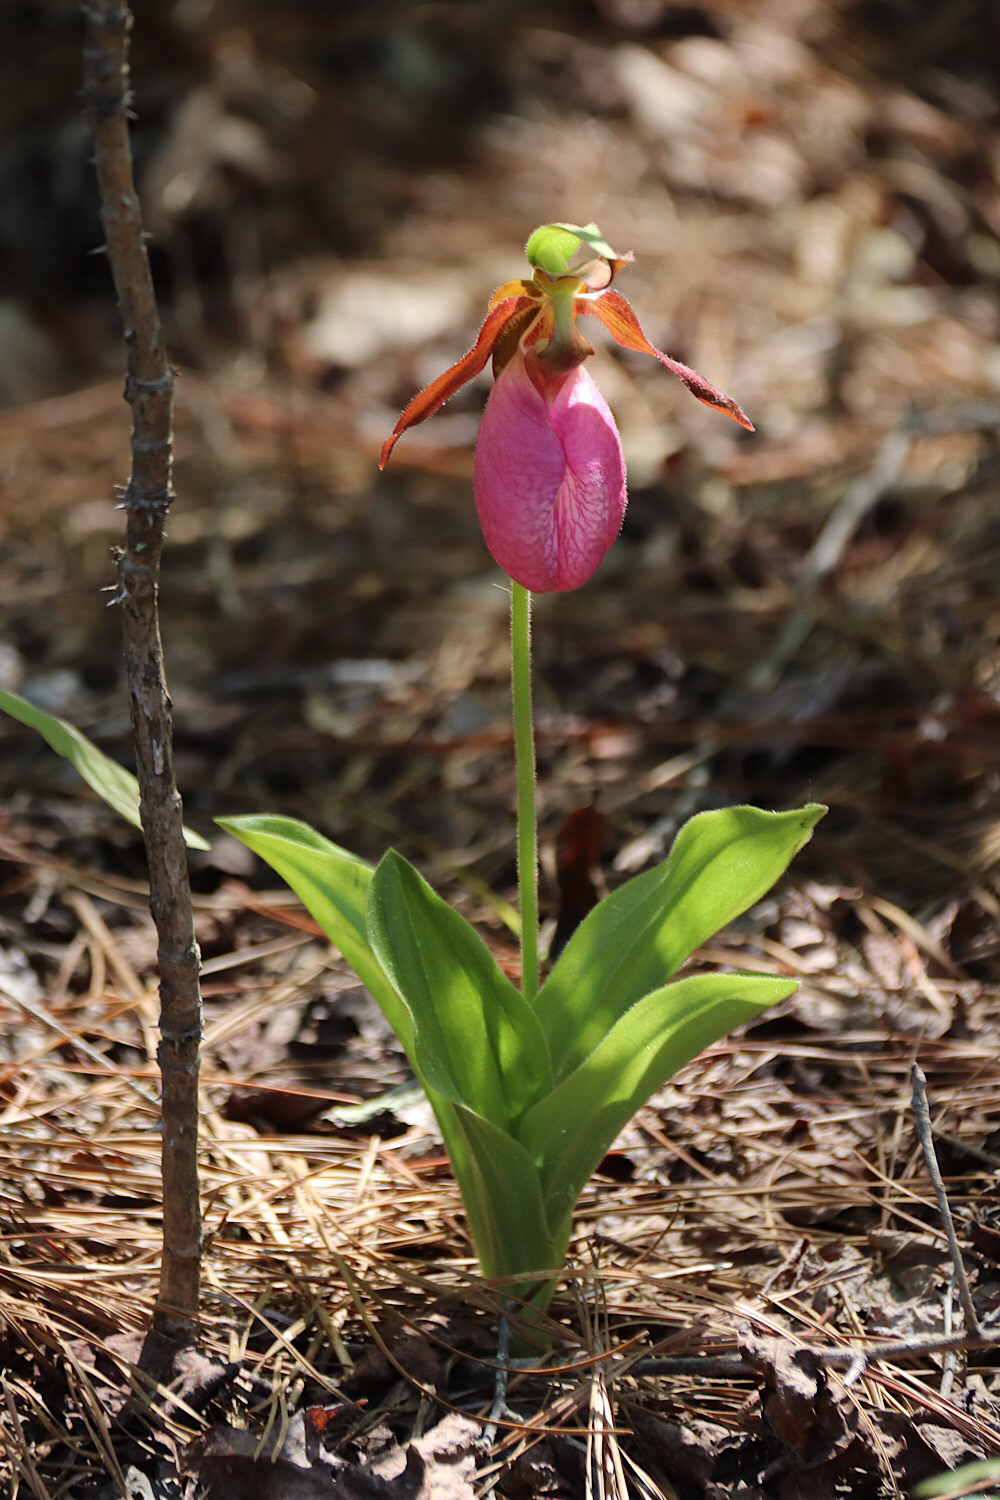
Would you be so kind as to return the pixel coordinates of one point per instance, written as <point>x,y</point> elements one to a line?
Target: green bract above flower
<point>573,267</point>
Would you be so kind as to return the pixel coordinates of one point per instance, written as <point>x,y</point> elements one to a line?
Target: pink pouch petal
<point>549,478</point>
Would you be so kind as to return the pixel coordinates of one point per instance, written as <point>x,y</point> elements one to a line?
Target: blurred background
<point>812,193</point>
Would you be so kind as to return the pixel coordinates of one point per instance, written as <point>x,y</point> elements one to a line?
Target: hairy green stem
<point>524,756</point>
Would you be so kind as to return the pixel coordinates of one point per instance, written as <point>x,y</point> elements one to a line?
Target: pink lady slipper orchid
<point>549,469</point>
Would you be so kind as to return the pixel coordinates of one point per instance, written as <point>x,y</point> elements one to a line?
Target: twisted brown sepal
<point>426,402</point>
<point>621,322</point>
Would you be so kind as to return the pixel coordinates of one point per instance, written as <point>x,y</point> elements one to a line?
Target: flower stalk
<point>524,758</point>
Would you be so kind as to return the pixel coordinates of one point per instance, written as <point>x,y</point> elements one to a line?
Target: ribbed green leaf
<point>721,863</point>
<point>116,786</point>
<point>476,1040</point>
<point>333,887</point>
<point>503,1201</point>
<point>569,1132</point>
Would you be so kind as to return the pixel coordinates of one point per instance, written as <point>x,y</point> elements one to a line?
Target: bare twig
<point>149,392</point>
<point>711,1366</point>
<point>922,1120</point>
<point>500,1377</point>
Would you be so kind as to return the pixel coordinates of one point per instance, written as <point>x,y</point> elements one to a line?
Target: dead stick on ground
<point>922,1120</point>
<point>720,1365</point>
<point>149,392</point>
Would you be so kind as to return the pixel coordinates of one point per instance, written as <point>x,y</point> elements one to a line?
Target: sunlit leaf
<point>332,885</point>
<point>476,1039</point>
<point>632,942</point>
<point>570,1130</point>
<point>112,782</point>
<point>511,1231</point>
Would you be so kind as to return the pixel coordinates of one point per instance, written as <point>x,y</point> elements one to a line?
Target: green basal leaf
<point>636,938</point>
<point>476,1040</point>
<point>569,1132</point>
<point>506,1214</point>
<point>522,1147</point>
<point>116,786</point>
<point>333,887</point>
<point>498,1180</point>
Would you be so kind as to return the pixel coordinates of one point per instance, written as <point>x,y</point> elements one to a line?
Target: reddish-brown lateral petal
<point>623,325</point>
<point>433,396</point>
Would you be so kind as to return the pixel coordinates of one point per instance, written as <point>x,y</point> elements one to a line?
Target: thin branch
<point>922,1120</point>
<point>149,391</point>
<point>720,1365</point>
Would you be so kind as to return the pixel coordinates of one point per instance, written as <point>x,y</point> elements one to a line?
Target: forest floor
<point>812,193</point>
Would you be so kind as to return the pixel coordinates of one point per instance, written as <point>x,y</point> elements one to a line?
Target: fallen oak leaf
<point>830,1450</point>
<point>793,1383</point>
<point>688,1452</point>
